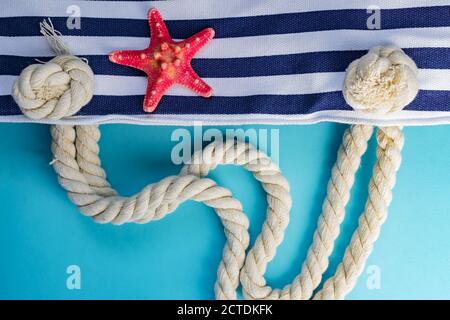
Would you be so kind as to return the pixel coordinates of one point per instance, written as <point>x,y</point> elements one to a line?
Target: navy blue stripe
<point>352,19</point>
<point>333,61</point>
<point>263,104</point>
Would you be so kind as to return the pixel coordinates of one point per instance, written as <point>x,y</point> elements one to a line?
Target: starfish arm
<point>195,43</point>
<point>156,89</point>
<point>130,58</point>
<point>158,28</point>
<point>192,81</point>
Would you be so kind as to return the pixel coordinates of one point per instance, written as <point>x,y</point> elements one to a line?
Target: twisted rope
<point>78,166</point>
<point>390,144</point>
<point>353,146</point>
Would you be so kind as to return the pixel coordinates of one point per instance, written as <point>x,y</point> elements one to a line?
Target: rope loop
<point>77,163</point>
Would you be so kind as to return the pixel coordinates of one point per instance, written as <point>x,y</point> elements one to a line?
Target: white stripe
<point>429,79</point>
<point>224,87</point>
<point>194,9</point>
<point>318,41</point>
<point>400,118</point>
<point>231,87</point>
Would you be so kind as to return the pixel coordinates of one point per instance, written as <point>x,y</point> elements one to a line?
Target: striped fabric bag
<point>271,62</point>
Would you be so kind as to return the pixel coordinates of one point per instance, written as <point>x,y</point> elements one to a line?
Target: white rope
<point>78,166</point>
<point>390,143</point>
<point>79,169</point>
<point>353,146</point>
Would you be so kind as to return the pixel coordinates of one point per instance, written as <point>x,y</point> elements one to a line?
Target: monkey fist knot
<point>381,82</point>
<point>54,90</point>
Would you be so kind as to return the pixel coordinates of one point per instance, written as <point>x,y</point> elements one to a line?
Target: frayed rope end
<point>54,37</point>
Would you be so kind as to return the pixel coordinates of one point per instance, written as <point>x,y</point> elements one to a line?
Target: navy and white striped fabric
<point>271,61</point>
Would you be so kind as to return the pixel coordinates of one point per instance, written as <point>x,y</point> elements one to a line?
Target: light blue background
<point>42,233</point>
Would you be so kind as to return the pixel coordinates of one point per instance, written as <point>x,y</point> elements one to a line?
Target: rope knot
<point>54,90</point>
<point>382,81</point>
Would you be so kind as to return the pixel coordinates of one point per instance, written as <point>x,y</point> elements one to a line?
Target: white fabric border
<point>410,118</point>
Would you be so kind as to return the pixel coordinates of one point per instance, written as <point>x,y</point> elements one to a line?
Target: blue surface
<point>42,233</point>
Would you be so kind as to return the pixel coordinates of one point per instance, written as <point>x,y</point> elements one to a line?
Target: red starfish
<point>166,62</point>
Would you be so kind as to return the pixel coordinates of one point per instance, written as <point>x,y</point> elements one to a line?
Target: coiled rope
<point>383,81</point>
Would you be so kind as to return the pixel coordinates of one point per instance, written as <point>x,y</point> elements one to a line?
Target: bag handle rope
<point>382,81</point>
<point>78,166</point>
